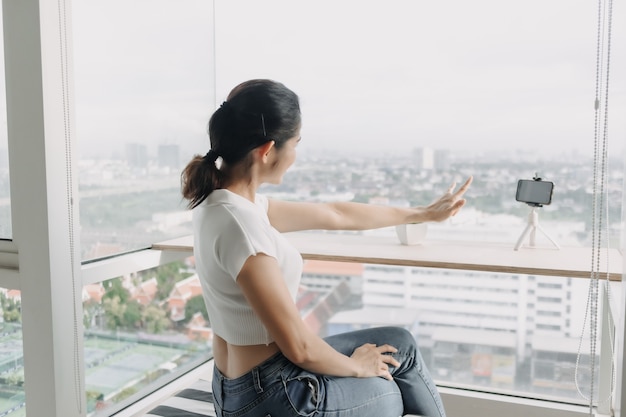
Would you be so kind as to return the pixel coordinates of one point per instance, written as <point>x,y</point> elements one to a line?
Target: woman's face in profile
<point>285,157</point>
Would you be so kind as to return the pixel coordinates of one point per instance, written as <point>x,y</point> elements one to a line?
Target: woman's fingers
<point>379,358</point>
<point>463,187</point>
<point>456,197</point>
<point>388,359</point>
<point>386,349</point>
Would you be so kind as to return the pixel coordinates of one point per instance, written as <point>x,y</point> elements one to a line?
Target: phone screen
<point>534,192</point>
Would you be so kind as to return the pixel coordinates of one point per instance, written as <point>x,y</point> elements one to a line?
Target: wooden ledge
<point>574,262</point>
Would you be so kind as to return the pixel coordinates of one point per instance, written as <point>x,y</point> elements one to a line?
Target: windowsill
<point>147,403</point>
<point>467,403</point>
<point>571,262</point>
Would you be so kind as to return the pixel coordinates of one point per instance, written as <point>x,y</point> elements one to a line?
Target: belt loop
<point>257,380</point>
<point>221,390</point>
<point>222,378</point>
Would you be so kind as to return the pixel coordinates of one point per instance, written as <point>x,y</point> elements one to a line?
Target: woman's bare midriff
<point>234,360</point>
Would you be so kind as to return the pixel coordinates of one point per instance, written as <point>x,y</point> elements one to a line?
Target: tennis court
<point>124,365</point>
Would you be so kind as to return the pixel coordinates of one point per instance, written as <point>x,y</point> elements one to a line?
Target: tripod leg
<point>523,236</point>
<point>549,238</point>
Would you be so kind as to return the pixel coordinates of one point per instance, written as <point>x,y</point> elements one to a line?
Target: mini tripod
<point>531,228</point>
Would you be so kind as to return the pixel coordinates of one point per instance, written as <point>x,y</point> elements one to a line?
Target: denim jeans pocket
<point>303,393</point>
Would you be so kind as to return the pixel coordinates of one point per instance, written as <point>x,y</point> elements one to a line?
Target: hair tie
<point>211,156</point>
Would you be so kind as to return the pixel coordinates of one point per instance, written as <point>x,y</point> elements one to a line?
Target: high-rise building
<point>442,160</point>
<point>137,155</point>
<point>432,159</point>
<point>481,327</point>
<point>424,158</point>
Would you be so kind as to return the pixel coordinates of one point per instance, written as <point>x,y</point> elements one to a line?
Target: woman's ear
<point>264,150</point>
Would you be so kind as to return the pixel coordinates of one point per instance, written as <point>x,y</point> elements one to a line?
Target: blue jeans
<point>278,388</point>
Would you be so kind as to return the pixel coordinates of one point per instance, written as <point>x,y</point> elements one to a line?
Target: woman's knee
<point>400,338</point>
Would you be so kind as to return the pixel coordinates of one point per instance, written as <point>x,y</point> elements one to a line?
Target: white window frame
<point>40,122</point>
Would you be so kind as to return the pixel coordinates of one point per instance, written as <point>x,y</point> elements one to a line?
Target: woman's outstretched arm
<point>288,216</point>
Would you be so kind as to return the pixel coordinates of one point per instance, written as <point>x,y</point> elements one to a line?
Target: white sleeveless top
<point>228,229</point>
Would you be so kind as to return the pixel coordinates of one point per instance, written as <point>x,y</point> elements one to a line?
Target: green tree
<point>114,311</point>
<point>11,310</point>
<point>91,309</point>
<point>132,315</point>
<point>155,319</point>
<point>194,305</point>
<point>15,378</point>
<point>114,288</point>
<point>167,276</point>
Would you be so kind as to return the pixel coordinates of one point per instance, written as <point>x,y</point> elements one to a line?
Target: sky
<point>371,75</point>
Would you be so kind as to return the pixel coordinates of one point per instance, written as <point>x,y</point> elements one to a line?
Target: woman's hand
<point>291,216</point>
<point>448,204</point>
<point>374,361</point>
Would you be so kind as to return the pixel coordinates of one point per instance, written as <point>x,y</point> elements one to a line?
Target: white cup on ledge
<point>411,233</point>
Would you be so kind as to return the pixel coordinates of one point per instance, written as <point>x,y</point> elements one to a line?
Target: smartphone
<point>534,192</point>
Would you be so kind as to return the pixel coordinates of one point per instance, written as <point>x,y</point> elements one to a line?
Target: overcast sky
<point>370,74</point>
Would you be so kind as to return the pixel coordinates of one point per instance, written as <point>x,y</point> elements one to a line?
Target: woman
<point>267,362</point>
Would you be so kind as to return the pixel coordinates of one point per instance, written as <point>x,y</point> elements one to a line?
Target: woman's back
<point>234,361</point>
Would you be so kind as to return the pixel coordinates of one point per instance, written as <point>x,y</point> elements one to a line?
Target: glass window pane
<point>12,400</point>
<point>431,92</point>
<point>400,99</point>
<point>142,331</point>
<point>144,90</point>
<point>492,332</point>
<point>6,229</point>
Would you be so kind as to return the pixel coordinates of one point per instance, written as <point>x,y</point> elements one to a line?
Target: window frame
<point>37,37</point>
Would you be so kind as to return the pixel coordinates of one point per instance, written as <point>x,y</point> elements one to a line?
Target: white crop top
<point>228,229</point>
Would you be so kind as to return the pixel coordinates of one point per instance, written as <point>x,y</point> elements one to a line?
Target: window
<point>144,91</point>
<point>12,359</point>
<point>468,340</point>
<point>5,198</point>
<point>507,105</point>
<point>144,86</point>
<point>551,285</point>
<point>415,96</point>
<point>142,330</point>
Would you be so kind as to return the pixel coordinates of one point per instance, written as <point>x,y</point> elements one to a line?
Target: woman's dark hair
<point>255,112</point>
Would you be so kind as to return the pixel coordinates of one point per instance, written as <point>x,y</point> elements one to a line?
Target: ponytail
<point>200,178</point>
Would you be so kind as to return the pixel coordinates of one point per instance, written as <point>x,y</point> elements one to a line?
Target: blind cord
<point>600,193</point>
<point>62,24</point>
